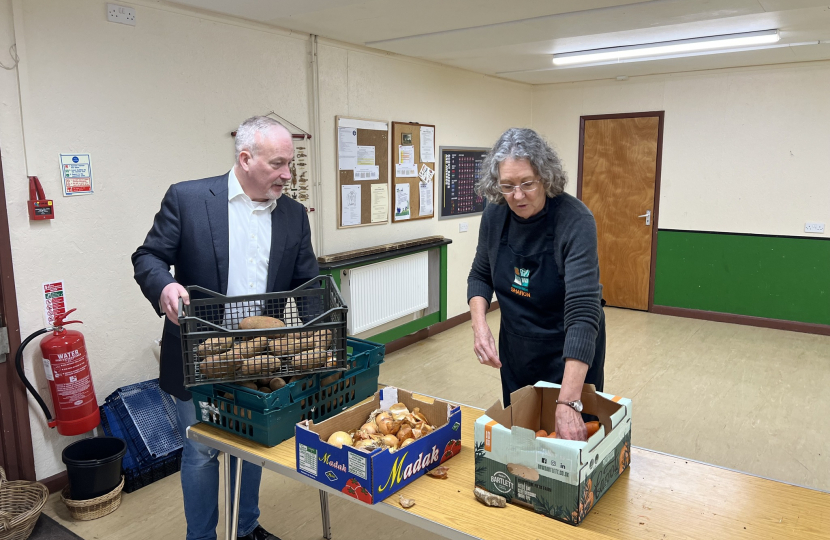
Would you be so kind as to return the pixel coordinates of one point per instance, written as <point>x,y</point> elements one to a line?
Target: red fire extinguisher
<point>70,381</point>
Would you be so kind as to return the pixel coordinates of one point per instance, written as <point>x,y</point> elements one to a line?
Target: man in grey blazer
<point>235,235</point>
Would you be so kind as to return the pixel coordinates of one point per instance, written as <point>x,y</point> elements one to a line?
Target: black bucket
<point>93,466</point>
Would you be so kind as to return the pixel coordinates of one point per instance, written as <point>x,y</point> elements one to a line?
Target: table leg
<point>228,500</point>
<point>236,489</point>
<point>324,510</point>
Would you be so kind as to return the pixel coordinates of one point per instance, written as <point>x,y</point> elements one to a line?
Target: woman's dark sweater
<point>575,252</point>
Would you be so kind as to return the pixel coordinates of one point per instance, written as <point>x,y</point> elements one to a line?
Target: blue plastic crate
<point>137,474</point>
<point>147,420</point>
<point>154,414</point>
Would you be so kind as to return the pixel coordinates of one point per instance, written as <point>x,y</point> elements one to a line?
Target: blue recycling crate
<point>147,416</point>
<point>139,466</point>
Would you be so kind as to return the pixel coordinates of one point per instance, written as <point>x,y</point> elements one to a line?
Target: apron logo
<point>521,282</point>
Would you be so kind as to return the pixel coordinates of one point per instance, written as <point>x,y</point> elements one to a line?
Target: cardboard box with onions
<point>372,450</point>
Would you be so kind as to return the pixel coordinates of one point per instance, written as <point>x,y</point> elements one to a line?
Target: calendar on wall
<point>460,172</point>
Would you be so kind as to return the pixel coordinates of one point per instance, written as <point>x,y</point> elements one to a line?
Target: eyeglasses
<point>526,187</point>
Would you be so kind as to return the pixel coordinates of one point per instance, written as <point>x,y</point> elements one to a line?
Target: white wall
<point>744,150</point>
<point>154,104</point>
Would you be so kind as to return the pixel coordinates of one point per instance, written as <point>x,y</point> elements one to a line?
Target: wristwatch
<point>575,405</point>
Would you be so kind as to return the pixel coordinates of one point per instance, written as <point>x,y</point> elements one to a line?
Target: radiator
<point>385,291</point>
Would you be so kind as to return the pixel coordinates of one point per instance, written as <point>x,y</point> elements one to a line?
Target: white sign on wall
<point>76,172</point>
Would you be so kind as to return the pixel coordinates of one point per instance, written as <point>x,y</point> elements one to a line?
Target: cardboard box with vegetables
<point>562,479</point>
<point>374,449</point>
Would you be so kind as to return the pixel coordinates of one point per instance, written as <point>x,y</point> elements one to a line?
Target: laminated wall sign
<point>362,172</point>
<point>413,190</point>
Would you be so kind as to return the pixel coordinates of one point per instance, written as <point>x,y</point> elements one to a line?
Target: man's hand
<point>569,424</point>
<point>169,301</point>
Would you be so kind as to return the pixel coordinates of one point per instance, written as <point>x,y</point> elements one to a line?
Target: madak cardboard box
<point>558,478</point>
<point>371,477</point>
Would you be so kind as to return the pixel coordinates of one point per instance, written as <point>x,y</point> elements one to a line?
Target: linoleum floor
<point>744,398</point>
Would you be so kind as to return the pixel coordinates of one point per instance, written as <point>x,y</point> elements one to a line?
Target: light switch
<point>462,227</point>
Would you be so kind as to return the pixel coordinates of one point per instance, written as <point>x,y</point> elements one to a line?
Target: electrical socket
<point>813,227</point>
<point>121,14</point>
<point>462,227</point>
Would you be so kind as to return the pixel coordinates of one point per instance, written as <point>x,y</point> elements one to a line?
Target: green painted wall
<point>774,277</point>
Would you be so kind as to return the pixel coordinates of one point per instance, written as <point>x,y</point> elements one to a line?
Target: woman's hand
<point>485,346</point>
<point>483,343</point>
<point>569,424</point>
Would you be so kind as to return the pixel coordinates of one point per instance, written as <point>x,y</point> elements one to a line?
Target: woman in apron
<point>537,251</point>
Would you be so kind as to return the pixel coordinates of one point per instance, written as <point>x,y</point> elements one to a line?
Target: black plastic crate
<point>216,349</point>
<point>144,476</point>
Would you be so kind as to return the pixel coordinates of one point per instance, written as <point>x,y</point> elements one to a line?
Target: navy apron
<point>531,296</point>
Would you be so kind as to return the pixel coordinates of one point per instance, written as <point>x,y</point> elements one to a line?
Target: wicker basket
<point>20,506</point>
<point>93,508</point>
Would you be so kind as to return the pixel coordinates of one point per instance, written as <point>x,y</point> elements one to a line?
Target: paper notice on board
<point>406,171</point>
<point>427,144</point>
<point>367,172</point>
<point>365,155</point>
<point>425,193</point>
<point>406,155</point>
<point>380,203</point>
<point>350,206</point>
<point>402,201</point>
<point>426,174</point>
<point>347,148</point>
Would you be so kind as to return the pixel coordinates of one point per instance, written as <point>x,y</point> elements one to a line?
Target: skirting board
<point>747,320</point>
<point>56,482</point>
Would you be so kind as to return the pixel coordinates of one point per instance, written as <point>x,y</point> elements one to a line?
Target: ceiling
<point>515,39</point>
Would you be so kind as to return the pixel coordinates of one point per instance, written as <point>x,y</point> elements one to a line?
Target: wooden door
<point>619,182</point>
<point>16,451</point>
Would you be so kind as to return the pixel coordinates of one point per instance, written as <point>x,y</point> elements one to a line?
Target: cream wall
<point>744,150</point>
<point>467,109</point>
<point>154,104</point>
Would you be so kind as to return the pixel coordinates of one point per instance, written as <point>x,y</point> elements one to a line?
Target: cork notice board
<point>362,172</point>
<point>407,187</point>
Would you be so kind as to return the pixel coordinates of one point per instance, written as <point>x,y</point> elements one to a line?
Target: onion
<point>340,438</point>
<point>387,426</point>
<point>390,440</point>
<point>407,442</point>
<point>398,411</point>
<point>404,433</point>
<point>369,427</point>
<point>417,433</point>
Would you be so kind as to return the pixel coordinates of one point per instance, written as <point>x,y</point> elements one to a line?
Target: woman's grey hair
<point>521,143</point>
<point>246,134</point>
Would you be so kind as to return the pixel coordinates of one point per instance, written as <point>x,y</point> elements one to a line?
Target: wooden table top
<point>658,497</point>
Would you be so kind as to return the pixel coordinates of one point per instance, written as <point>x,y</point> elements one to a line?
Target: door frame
<point>16,450</point>
<point>655,213</point>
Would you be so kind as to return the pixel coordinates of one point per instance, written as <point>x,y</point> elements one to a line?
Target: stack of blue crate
<point>145,417</point>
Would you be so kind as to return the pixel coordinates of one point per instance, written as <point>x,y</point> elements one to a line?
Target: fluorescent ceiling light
<point>651,50</point>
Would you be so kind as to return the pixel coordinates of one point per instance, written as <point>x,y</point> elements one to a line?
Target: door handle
<point>647,215</point>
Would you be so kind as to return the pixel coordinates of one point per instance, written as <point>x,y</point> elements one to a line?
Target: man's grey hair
<point>522,143</point>
<point>245,135</point>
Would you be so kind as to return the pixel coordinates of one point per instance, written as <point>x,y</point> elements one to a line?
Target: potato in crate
<point>279,334</point>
